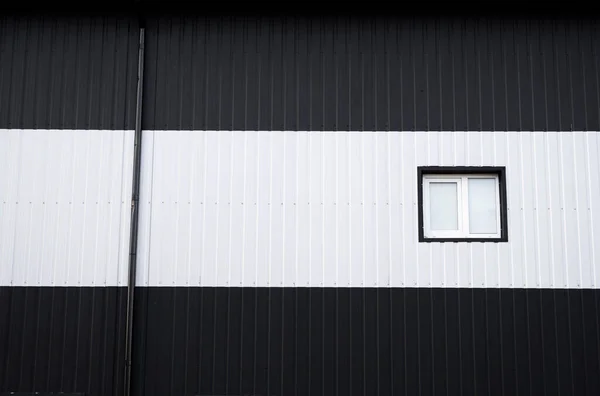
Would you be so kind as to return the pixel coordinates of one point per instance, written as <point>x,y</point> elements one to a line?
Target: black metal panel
<point>328,341</point>
<point>59,72</point>
<point>40,394</point>
<point>62,339</point>
<point>372,73</point>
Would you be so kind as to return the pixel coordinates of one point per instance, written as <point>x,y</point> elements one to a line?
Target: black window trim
<point>500,171</point>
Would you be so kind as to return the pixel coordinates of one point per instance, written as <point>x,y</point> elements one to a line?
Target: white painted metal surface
<point>64,207</point>
<point>289,209</point>
<point>340,209</point>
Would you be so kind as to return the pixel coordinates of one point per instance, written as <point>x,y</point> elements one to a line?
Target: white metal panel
<point>65,207</point>
<point>289,209</point>
<point>340,209</point>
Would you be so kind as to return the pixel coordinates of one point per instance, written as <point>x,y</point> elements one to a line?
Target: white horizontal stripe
<point>339,209</point>
<point>65,207</point>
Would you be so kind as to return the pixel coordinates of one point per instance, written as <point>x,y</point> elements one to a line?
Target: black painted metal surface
<point>373,74</point>
<point>303,73</point>
<point>367,341</point>
<point>316,341</point>
<point>68,73</point>
<point>62,339</point>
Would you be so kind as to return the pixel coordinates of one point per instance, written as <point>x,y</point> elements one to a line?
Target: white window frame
<point>463,231</point>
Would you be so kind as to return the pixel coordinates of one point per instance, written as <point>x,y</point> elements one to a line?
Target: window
<point>462,204</point>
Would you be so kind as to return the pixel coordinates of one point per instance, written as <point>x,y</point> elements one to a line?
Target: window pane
<point>443,211</point>
<point>482,206</point>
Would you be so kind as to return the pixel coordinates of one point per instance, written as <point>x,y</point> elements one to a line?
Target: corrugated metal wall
<point>363,74</point>
<point>60,73</point>
<point>339,209</point>
<point>65,207</point>
<point>67,101</point>
<point>306,74</point>
<point>372,74</point>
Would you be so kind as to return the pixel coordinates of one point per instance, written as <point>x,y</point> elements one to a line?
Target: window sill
<point>469,240</point>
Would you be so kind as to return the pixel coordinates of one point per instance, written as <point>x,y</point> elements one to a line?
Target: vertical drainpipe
<point>135,199</point>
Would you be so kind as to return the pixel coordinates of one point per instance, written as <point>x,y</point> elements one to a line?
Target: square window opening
<point>462,204</point>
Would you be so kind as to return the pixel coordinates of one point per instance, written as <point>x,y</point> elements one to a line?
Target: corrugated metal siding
<point>330,74</point>
<point>61,73</point>
<point>62,339</point>
<point>372,74</point>
<point>65,192</point>
<point>367,341</point>
<point>65,215</point>
<point>340,209</point>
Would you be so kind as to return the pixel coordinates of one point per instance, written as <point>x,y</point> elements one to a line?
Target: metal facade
<point>339,209</point>
<point>67,73</point>
<point>65,207</point>
<point>401,74</point>
<point>277,298</point>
